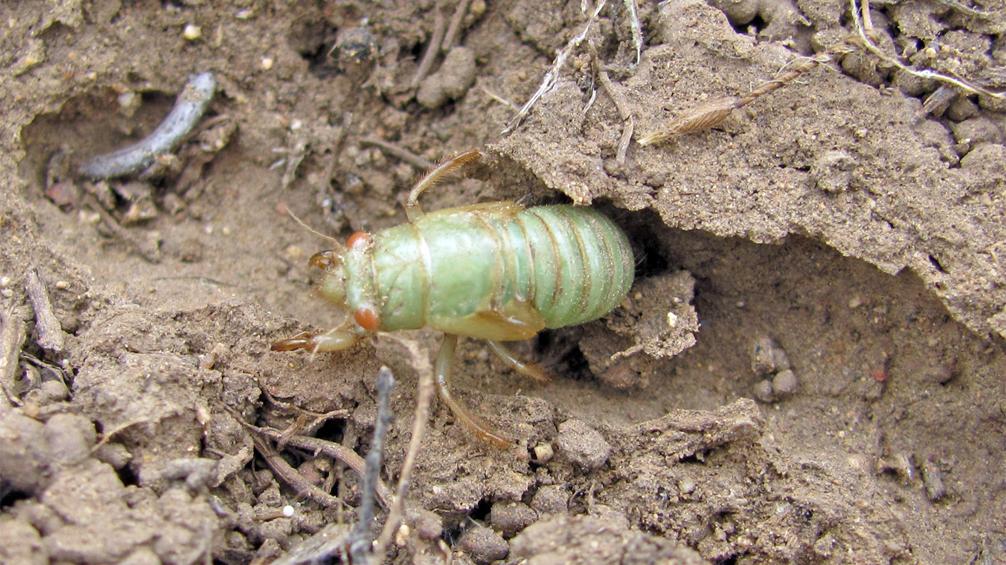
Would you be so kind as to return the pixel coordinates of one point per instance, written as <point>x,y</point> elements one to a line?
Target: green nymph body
<point>492,271</point>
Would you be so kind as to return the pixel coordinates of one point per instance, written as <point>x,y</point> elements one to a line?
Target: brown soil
<point>833,251</point>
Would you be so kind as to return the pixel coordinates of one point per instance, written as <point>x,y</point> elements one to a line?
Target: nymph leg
<point>412,209</point>
<point>474,424</point>
<point>531,370</point>
<point>332,340</point>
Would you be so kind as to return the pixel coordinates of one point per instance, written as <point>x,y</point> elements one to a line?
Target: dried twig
<point>319,446</point>
<point>49,333</point>
<point>399,152</point>
<point>421,363</point>
<point>12,338</point>
<point>500,99</point>
<point>619,101</point>
<point>287,474</point>
<point>430,55</point>
<point>552,76</point>
<point>361,541</point>
<point>455,26</point>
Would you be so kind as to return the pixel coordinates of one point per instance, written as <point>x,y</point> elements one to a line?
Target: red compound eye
<point>367,318</point>
<point>358,238</point>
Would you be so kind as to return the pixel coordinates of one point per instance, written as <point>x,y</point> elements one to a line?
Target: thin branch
<point>361,541</point>
<point>399,152</point>
<point>340,453</point>
<point>318,446</point>
<point>291,477</point>
<point>430,55</point>
<point>421,363</point>
<point>455,26</point>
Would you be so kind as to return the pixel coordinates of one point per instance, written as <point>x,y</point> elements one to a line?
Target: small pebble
<point>266,63</point>
<point>115,454</point>
<point>455,76</point>
<point>832,171</point>
<point>192,32</point>
<point>70,438</point>
<point>550,499</point>
<point>784,383</point>
<point>428,524</point>
<point>582,445</point>
<point>686,486</point>
<point>763,391</point>
<point>932,479</point>
<point>764,356</point>
<point>511,517</point>
<point>483,545</point>
<point>54,391</point>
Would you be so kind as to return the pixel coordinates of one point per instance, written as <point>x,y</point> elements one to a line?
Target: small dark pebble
<point>784,383</point>
<point>483,545</point>
<point>511,517</point>
<point>550,499</point>
<point>582,445</point>
<point>762,391</point>
<point>428,525</point>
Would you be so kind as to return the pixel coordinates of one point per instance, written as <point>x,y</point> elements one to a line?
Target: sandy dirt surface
<point>810,366</point>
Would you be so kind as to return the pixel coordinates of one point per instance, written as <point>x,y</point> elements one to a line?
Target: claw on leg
<point>474,424</point>
<point>334,340</point>
<point>530,370</point>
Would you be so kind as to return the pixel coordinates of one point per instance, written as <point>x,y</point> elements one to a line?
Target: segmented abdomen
<point>571,264</point>
<point>581,264</point>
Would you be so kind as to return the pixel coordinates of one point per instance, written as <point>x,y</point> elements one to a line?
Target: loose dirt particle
<point>511,517</point>
<point>550,499</point>
<point>784,383</point>
<point>582,445</point>
<point>452,81</point>
<point>483,544</point>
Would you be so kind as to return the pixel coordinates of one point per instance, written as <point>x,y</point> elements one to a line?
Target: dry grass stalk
<point>552,76</point>
<point>860,14</point>
<point>714,112</point>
